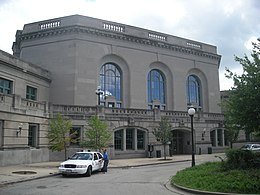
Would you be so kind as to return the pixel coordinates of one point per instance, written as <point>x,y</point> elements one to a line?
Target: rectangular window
<point>129,139</point>
<point>6,86</point>
<point>75,135</point>
<point>119,140</point>
<point>213,138</point>
<point>220,137</point>
<point>226,138</point>
<point>31,93</point>
<point>32,135</point>
<point>140,140</point>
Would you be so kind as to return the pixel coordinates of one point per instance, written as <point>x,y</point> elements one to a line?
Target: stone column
<point>216,137</point>
<point>124,139</point>
<point>135,139</point>
<point>223,137</point>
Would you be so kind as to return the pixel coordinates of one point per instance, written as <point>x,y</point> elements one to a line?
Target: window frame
<point>33,135</point>
<point>110,79</point>
<point>140,140</point>
<point>31,93</point>
<point>130,138</point>
<point>3,86</point>
<point>156,87</point>
<point>119,139</point>
<point>193,90</point>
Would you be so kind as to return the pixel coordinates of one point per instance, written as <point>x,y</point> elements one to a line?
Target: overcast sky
<point>231,25</point>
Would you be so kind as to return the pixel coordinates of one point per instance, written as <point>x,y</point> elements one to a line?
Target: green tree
<point>232,129</point>
<point>242,109</point>
<point>163,133</point>
<point>97,136</point>
<point>59,135</point>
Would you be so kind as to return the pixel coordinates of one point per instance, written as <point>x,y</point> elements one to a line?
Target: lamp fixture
<point>19,130</point>
<point>191,112</point>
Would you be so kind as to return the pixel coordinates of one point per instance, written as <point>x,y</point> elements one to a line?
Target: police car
<point>82,163</point>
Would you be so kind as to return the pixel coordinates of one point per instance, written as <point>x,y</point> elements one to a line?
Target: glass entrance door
<point>176,146</point>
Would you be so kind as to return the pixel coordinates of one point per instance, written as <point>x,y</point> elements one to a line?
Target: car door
<point>97,162</point>
<point>101,160</point>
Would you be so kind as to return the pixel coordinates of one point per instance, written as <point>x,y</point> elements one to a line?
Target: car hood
<point>77,162</point>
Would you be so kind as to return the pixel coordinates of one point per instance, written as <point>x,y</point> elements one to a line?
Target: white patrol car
<point>82,163</point>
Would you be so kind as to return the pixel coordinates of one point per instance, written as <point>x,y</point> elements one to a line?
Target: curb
<point>195,191</point>
<point>29,179</point>
<point>148,164</point>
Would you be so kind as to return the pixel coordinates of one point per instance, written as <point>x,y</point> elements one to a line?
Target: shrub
<point>212,177</point>
<point>241,159</point>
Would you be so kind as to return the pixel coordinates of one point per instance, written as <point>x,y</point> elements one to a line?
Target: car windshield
<point>82,156</point>
<point>246,146</point>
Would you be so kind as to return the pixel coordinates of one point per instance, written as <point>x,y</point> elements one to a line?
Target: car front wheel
<point>89,171</point>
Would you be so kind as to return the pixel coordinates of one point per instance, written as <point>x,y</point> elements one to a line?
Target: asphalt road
<point>150,180</point>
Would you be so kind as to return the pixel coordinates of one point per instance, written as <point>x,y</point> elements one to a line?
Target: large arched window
<point>156,87</point>
<point>193,90</point>
<point>110,82</point>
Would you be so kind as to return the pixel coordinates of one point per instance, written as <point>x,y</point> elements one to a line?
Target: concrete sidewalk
<point>25,172</point>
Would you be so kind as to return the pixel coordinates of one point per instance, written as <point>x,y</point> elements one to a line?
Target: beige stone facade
<point>23,121</point>
<point>76,54</point>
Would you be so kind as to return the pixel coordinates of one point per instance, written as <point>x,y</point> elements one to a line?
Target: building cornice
<point>116,35</point>
<point>25,67</point>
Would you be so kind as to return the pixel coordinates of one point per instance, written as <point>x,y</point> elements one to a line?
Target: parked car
<point>251,147</point>
<point>82,163</point>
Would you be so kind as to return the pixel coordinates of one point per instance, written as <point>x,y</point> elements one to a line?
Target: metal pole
<point>96,141</point>
<point>98,98</point>
<point>192,143</point>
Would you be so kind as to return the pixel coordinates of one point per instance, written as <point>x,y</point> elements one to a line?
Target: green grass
<point>212,177</point>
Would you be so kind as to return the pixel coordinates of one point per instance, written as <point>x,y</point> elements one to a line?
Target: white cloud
<point>226,83</point>
<point>248,43</point>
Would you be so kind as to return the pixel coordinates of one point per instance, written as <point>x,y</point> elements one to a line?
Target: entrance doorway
<point>179,143</point>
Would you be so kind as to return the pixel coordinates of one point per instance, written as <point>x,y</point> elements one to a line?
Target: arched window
<point>156,87</point>
<point>193,91</point>
<point>110,82</point>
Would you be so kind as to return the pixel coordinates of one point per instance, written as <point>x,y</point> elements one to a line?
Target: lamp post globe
<point>191,112</point>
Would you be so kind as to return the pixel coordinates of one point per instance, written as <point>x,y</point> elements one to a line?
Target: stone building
<point>143,76</point>
<point>24,96</point>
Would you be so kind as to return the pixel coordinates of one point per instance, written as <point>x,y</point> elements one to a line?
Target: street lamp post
<point>98,93</point>
<point>191,112</point>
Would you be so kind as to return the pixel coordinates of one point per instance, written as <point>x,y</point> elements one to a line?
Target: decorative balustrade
<point>67,109</point>
<point>82,112</point>
<point>32,105</point>
<point>157,37</point>
<point>14,103</point>
<point>113,27</point>
<point>48,25</point>
<point>6,99</point>
<point>129,112</point>
<point>194,45</point>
